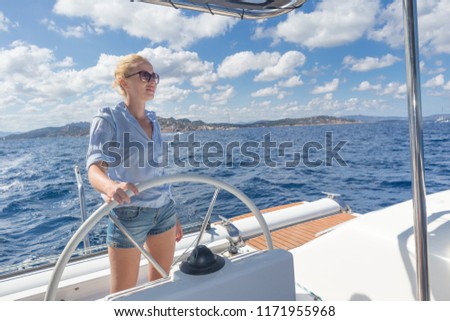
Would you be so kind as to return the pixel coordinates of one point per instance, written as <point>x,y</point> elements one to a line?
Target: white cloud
<point>204,81</point>
<point>178,66</point>
<point>267,109</point>
<point>30,109</point>
<point>284,67</point>
<point>328,87</point>
<point>29,73</point>
<point>390,30</point>
<point>369,63</point>
<point>396,89</point>
<point>206,113</point>
<point>261,104</point>
<point>5,23</point>
<point>170,93</point>
<point>393,88</point>
<point>332,23</point>
<point>156,23</point>
<point>330,106</point>
<point>242,62</point>
<point>37,82</point>
<point>65,63</point>
<point>272,65</point>
<point>24,58</point>
<point>447,86</point>
<point>435,82</point>
<point>366,86</point>
<point>288,109</point>
<point>294,81</point>
<point>72,31</point>
<point>221,97</point>
<point>33,79</point>
<point>268,91</point>
<point>433,25</point>
<point>438,68</point>
<point>174,63</point>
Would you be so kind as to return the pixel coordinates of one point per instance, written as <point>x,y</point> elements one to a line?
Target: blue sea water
<point>40,210</point>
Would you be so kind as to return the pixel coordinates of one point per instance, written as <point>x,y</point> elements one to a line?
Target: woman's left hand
<point>178,231</point>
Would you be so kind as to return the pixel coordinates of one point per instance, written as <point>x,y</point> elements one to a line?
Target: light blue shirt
<point>117,139</point>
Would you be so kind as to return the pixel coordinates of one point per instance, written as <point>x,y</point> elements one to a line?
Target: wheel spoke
<point>208,215</point>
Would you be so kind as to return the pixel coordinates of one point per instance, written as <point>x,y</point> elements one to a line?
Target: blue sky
<point>329,57</point>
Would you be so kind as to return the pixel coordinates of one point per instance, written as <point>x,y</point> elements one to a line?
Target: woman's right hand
<point>117,191</point>
<point>110,190</point>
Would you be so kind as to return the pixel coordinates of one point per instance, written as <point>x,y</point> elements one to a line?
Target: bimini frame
<point>247,9</point>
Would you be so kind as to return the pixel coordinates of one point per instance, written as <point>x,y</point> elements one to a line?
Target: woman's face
<point>136,86</point>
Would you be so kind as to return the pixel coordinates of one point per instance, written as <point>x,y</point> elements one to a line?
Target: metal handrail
<point>416,147</point>
<point>82,198</point>
<point>244,9</point>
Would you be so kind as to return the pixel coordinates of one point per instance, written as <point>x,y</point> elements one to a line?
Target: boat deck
<point>296,235</point>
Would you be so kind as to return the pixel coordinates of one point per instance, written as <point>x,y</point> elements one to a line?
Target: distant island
<point>73,129</point>
<point>184,125</point>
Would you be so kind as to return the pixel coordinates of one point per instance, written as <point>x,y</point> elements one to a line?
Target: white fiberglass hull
<point>373,257</point>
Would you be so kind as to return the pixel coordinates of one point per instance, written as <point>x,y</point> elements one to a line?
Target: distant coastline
<point>182,125</point>
<point>185,125</point>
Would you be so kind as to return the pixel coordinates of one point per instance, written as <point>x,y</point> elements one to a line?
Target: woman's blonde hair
<point>123,69</point>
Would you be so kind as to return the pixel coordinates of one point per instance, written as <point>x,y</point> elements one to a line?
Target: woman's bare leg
<point>124,267</point>
<point>161,247</point>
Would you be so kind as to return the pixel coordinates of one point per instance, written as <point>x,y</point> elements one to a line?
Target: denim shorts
<point>140,222</point>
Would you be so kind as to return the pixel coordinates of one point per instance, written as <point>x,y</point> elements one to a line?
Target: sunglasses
<point>145,76</point>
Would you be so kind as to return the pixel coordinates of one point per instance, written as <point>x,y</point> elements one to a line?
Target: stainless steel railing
<point>416,147</point>
<point>81,196</point>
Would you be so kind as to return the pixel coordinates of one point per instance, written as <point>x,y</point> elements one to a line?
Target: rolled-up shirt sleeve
<point>102,132</point>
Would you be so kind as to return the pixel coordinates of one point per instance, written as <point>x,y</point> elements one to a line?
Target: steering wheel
<point>103,210</point>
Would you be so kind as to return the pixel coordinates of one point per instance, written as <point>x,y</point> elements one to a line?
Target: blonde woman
<point>125,144</point>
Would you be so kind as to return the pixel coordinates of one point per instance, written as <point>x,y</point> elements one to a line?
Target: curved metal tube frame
<point>250,9</point>
<point>416,147</point>
<point>106,208</point>
<point>81,196</point>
